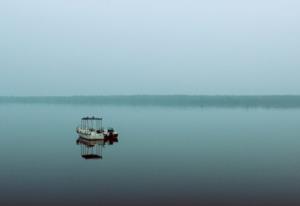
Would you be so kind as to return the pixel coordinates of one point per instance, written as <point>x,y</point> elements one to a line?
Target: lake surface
<point>165,156</point>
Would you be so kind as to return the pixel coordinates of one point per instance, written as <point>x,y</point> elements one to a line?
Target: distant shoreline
<point>228,101</point>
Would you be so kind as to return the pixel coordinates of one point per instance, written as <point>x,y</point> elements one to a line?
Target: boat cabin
<point>91,123</point>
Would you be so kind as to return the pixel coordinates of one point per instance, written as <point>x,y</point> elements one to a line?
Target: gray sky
<point>73,47</point>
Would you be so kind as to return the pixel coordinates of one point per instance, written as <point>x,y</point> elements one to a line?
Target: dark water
<point>165,156</point>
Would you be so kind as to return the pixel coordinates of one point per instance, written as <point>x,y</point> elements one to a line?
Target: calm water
<point>165,156</point>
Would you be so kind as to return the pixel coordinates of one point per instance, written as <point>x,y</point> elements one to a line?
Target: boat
<point>91,129</point>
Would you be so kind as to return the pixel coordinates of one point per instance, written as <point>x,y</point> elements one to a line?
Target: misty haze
<point>149,102</point>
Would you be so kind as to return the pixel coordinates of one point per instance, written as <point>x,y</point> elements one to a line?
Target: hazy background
<point>72,47</point>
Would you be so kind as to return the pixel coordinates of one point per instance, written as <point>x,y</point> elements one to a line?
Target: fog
<point>75,47</point>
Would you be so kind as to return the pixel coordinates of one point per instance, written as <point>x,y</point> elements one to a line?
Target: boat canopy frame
<point>91,123</point>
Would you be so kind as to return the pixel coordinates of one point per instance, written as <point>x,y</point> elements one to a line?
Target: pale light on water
<point>165,155</point>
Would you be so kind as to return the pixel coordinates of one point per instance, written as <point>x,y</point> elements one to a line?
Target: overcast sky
<point>94,47</point>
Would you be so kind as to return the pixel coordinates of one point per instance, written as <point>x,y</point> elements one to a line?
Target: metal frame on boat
<point>91,129</point>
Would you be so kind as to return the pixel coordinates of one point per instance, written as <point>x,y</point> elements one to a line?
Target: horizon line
<point>129,95</point>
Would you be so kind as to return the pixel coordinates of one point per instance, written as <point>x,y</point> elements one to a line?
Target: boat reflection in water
<point>92,149</point>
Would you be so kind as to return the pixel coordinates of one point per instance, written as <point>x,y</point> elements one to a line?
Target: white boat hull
<point>90,135</point>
